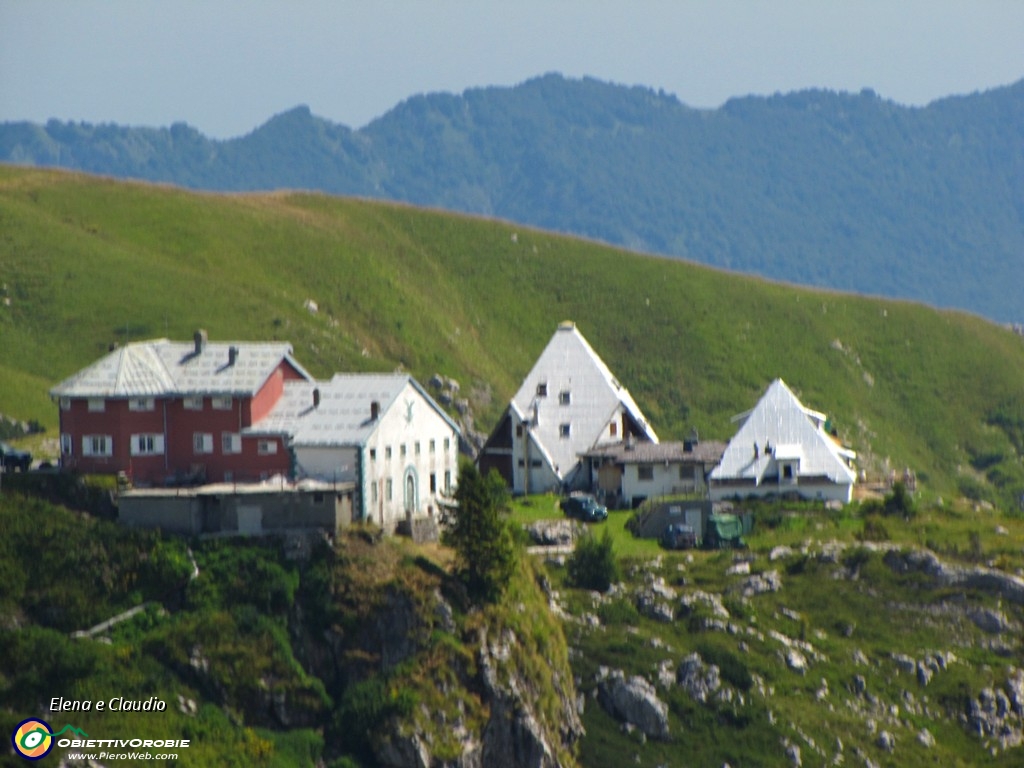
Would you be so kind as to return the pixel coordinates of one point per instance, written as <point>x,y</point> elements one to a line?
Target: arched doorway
<point>411,492</point>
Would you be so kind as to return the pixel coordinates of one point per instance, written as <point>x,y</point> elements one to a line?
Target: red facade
<point>175,440</point>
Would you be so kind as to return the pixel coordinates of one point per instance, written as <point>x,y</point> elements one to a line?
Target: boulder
<point>635,702</point>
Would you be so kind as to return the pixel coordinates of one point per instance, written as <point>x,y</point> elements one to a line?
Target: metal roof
<point>169,368</point>
<point>569,365</point>
<point>342,417</point>
<point>794,432</point>
<point>654,453</point>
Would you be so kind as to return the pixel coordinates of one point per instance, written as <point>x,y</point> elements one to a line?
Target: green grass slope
<point>85,262</point>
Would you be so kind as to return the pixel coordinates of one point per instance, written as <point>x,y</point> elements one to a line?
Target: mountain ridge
<point>816,187</point>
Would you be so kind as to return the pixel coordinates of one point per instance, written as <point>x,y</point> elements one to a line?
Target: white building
<point>782,447</point>
<point>381,431</point>
<point>568,403</point>
<point>624,474</point>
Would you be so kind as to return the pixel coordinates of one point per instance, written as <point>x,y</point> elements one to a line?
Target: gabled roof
<point>168,368</point>
<point>569,364</point>
<point>343,416</point>
<point>780,420</point>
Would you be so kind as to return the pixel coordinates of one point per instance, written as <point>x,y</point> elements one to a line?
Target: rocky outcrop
<point>983,579</point>
<point>634,702</point>
<point>698,680</point>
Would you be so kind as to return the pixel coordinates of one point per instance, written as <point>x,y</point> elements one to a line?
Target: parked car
<point>13,459</point>
<point>584,507</point>
<point>678,536</point>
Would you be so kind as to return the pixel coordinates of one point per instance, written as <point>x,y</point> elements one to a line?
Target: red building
<point>173,412</point>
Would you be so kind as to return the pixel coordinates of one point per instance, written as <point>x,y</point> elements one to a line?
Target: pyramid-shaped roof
<point>579,390</point>
<point>793,431</point>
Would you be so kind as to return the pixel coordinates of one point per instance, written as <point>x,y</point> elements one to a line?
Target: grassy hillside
<point>86,262</point>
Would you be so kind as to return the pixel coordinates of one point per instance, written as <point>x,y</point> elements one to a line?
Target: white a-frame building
<point>568,403</point>
<point>782,448</point>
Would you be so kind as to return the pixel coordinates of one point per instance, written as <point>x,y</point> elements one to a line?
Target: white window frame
<point>447,481</point>
<point>202,443</point>
<point>142,404</point>
<point>147,444</point>
<point>67,444</point>
<point>97,445</point>
<point>389,490</point>
<point>193,403</point>
<point>230,443</point>
<point>266,447</point>
<point>221,403</point>
<point>65,403</point>
<point>97,405</point>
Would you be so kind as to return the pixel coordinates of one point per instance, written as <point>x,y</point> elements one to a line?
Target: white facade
<point>782,447</point>
<point>381,431</point>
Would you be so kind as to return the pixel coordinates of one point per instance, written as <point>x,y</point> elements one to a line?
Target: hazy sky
<point>226,67</point>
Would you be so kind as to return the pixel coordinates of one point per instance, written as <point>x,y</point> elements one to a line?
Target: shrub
<point>593,565</point>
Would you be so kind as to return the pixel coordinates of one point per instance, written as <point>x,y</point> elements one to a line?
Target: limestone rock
<point>635,702</point>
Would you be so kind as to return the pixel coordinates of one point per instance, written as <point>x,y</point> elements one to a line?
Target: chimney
<point>200,338</point>
<point>232,354</point>
<point>316,397</point>
<point>374,410</point>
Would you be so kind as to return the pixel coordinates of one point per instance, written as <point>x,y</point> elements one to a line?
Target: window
<point>230,442</point>
<point>564,398</point>
<point>141,404</point>
<point>564,431</point>
<point>519,430</point>
<point>447,481</point>
<point>97,405</point>
<point>433,445</point>
<point>433,483</point>
<point>416,448</point>
<point>147,445</point>
<point>193,403</point>
<point>401,450</point>
<point>447,444</point>
<point>65,403</point>
<point>645,471</point>
<point>613,429</point>
<point>373,492</point>
<point>684,474</point>
<point>542,389</point>
<point>97,445</point>
<point>266,447</point>
<point>221,403</point>
<point>388,489</point>
<point>229,477</point>
<point>373,454</point>
<point>202,442</point>
<point>387,452</point>
<point>66,444</point>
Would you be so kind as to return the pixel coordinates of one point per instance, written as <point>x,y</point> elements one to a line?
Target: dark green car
<point>13,460</point>
<point>584,507</point>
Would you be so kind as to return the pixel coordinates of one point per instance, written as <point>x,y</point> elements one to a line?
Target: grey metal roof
<point>343,416</point>
<point>169,368</point>
<point>641,452</point>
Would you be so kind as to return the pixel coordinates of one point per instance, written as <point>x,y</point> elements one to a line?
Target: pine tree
<point>479,532</point>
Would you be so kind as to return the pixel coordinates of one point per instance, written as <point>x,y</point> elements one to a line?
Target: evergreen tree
<point>480,534</point>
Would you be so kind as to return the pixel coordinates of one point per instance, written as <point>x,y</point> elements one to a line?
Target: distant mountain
<point>848,191</point>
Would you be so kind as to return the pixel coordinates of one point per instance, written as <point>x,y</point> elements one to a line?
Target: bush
<point>593,565</point>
